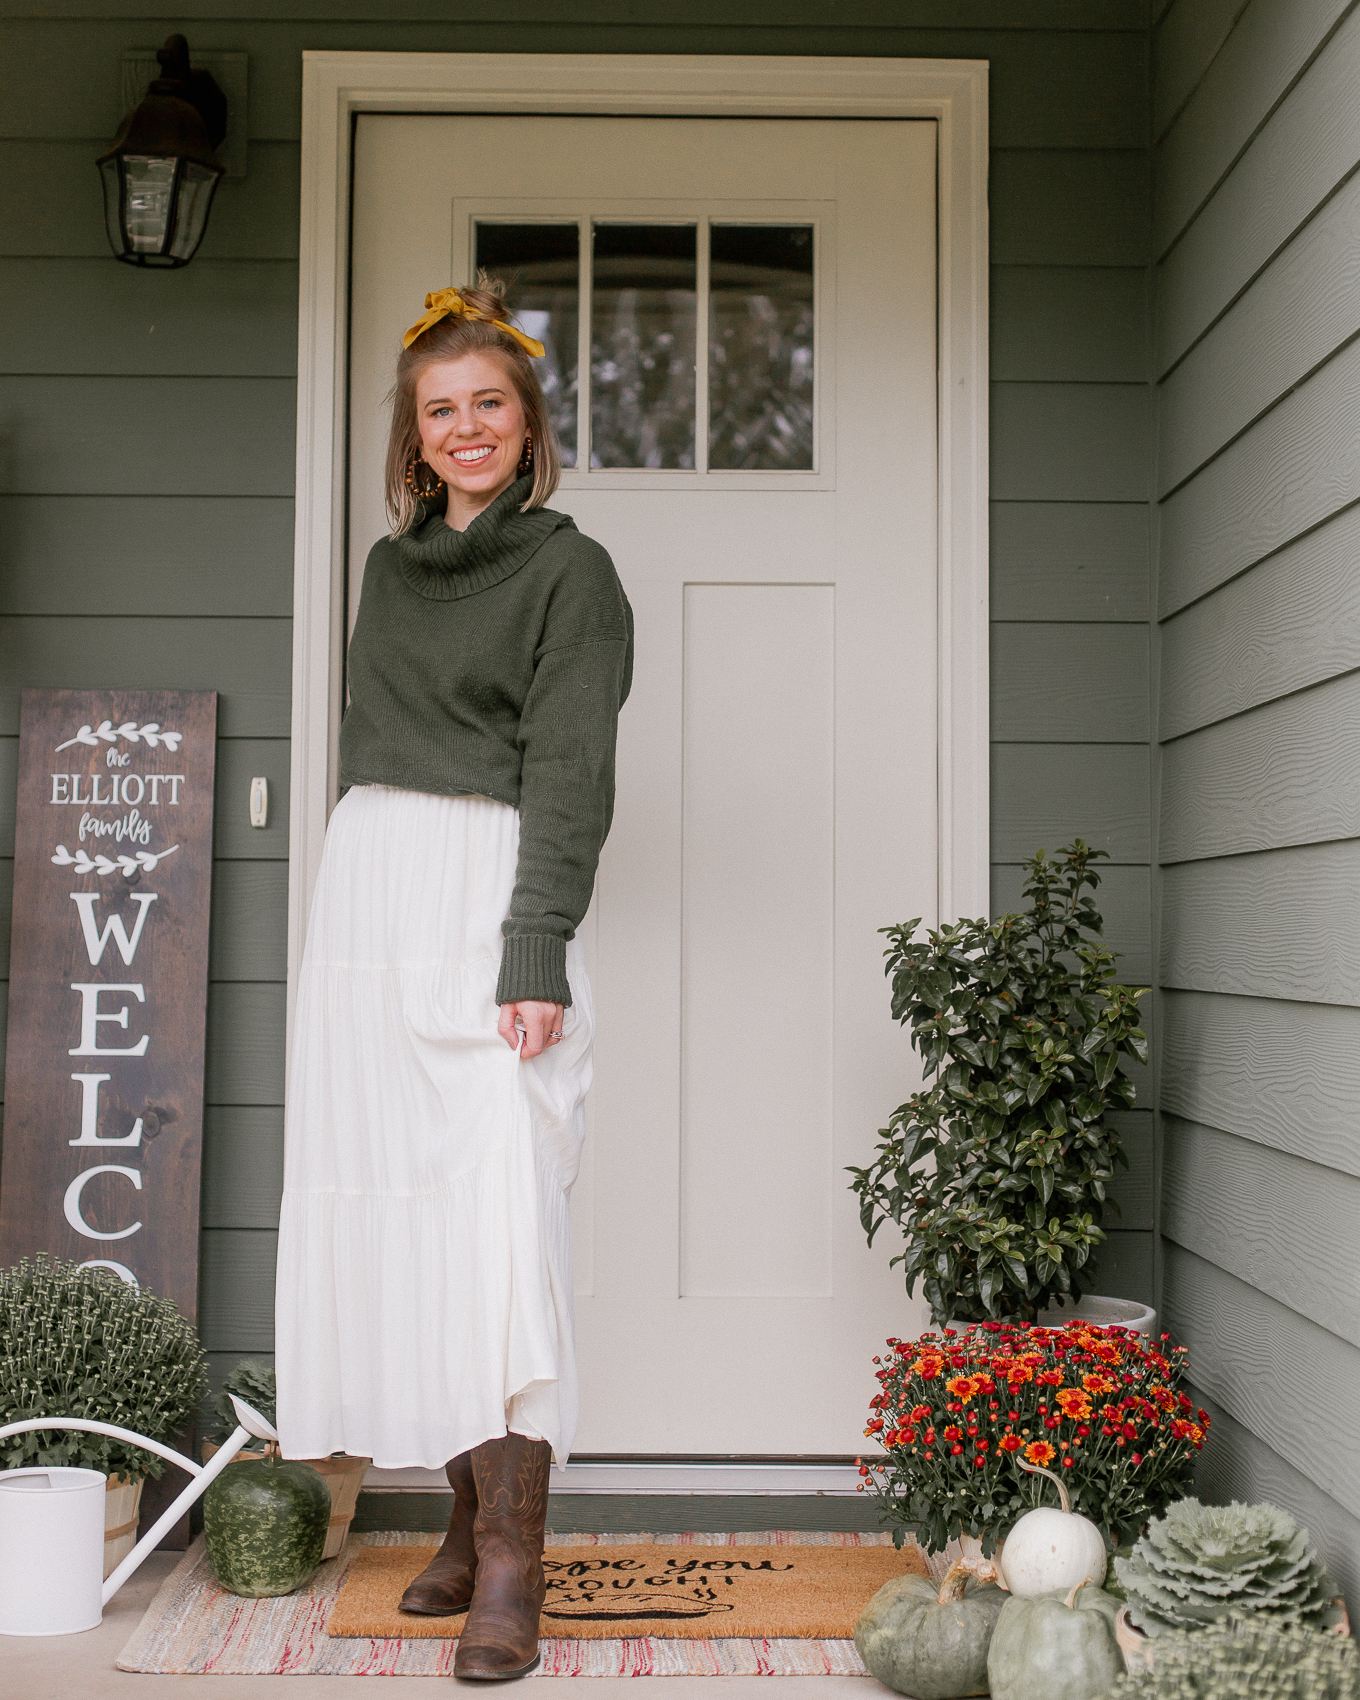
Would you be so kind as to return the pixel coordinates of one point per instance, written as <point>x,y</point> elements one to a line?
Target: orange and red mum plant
<point>1102,1405</point>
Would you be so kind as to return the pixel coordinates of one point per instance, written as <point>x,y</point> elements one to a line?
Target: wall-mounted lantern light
<point>160,174</point>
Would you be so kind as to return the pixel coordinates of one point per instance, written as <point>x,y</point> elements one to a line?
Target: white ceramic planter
<point>1108,1313</point>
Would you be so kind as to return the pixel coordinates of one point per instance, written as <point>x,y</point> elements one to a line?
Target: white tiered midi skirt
<point>424,1298</point>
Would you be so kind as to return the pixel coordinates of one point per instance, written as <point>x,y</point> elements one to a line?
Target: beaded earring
<point>526,459</point>
<point>421,492</point>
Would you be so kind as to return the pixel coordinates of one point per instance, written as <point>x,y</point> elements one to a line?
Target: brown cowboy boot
<point>500,1637</point>
<point>444,1586</point>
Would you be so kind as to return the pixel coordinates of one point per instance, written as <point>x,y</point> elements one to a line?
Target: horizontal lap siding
<point>1070,555</point>
<point>1299,156</point>
<point>1281,924</point>
<point>1184,46</point>
<point>152,543</point>
<point>1257,229</point>
<point>1069,222</point>
<point>1283,775</point>
<point>1286,1074</point>
<point>1258,63</point>
<point>1239,1466</point>
<point>1270,1367</point>
<point>1214,1186</point>
<point>1291,622</point>
<point>124,554</point>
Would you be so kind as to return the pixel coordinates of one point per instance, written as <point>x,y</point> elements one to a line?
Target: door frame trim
<point>338,85</point>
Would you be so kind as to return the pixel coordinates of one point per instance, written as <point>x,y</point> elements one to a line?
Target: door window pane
<point>642,345</point>
<point>540,264</point>
<point>760,347</point>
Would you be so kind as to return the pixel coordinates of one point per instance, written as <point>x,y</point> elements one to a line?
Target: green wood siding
<point>1282,776</point>
<point>1282,1073</point>
<point>1214,1185</point>
<point>1261,1359</point>
<point>145,496</point>
<point>1257,250</point>
<point>1291,622</point>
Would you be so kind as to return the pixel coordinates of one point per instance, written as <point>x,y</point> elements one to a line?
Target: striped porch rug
<point>193,1627</point>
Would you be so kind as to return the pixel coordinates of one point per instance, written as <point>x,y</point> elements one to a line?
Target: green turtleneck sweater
<point>493,662</point>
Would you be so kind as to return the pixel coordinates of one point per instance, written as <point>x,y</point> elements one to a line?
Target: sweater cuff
<point>534,965</point>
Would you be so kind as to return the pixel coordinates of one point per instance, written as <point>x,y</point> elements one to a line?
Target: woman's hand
<point>542,1024</point>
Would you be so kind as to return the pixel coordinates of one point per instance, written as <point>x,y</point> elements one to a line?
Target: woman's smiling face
<point>472,429</point>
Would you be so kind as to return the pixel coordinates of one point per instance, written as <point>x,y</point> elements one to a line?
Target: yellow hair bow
<point>443,303</point>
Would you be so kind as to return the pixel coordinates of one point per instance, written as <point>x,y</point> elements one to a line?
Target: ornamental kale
<point>998,1172</point>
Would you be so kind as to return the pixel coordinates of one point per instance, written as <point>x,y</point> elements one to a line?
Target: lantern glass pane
<point>196,186</point>
<point>150,186</point>
<point>113,202</point>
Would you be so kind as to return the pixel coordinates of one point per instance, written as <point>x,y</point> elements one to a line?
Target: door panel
<point>758,908</point>
<point>751,401</point>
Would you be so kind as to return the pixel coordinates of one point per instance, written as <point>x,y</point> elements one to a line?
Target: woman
<point>442,1045</point>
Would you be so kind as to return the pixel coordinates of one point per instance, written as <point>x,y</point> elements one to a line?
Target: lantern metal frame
<point>179,122</point>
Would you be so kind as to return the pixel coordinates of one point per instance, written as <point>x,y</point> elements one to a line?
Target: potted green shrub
<point>78,1342</point>
<point>998,1170</point>
<point>253,1380</point>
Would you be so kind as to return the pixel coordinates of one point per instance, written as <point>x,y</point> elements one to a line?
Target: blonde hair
<point>450,339</point>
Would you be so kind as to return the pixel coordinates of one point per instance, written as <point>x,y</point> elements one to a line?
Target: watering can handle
<point>202,1481</point>
<point>87,1426</point>
<point>203,1476</point>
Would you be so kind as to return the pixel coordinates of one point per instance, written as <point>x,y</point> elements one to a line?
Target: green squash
<point>265,1526</point>
<point>932,1642</point>
<point>1056,1647</point>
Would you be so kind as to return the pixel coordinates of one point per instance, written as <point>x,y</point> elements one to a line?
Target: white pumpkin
<point>1051,1551</point>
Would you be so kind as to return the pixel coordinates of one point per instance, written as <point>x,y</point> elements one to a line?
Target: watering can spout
<point>251,1420</point>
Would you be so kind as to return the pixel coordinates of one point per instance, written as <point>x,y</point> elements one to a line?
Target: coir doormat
<point>630,1590</point>
<point>194,1627</point>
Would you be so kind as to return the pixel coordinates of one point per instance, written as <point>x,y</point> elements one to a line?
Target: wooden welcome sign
<point>109,983</point>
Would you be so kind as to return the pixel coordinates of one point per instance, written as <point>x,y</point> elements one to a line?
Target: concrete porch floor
<point>81,1667</point>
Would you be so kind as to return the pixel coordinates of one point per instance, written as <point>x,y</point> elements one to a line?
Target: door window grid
<point>643,345</point>
<point>732,218</point>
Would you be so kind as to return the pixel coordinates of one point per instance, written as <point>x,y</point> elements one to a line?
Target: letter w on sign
<point>95,940</point>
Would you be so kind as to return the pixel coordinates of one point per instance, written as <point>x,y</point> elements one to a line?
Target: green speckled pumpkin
<point>265,1526</point>
<point>927,1642</point>
<point>1056,1647</point>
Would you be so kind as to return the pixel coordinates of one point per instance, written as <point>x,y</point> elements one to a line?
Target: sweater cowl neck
<point>443,564</point>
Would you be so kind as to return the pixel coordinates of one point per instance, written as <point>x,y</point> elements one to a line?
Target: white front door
<point>741,320</point>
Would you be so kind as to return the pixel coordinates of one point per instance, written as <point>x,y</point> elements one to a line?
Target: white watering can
<point>52,1527</point>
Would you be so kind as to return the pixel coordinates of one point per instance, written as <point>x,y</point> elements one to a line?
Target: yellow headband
<point>441,303</point>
